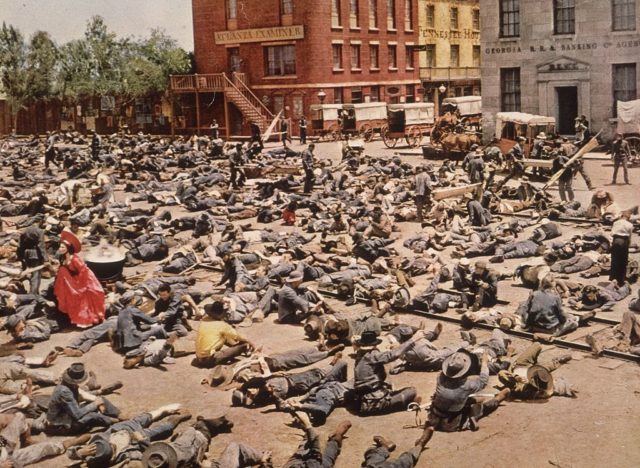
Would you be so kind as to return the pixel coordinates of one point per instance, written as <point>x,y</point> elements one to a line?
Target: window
<point>623,15</point>
<point>454,19</point>
<point>391,14</point>
<point>286,7</point>
<point>278,103</point>
<point>431,16</point>
<point>355,56</point>
<point>298,106</point>
<point>509,18</point>
<point>373,14</point>
<point>475,19</point>
<point>408,15</point>
<point>409,57</point>
<point>430,49</point>
<point>374,56</point>
<point>280,60</point>
<point>411,93</point>
<point>564,21</point>
<point>354,20</point>
<point>454,56</point>
<point>393,56</point>
<point>375,94</point>
<point>476,56</point>
<point>232,9</point>
<point>337,56</point>
<point>510,89</point>
<point>338,96</point>
<point>624,84</point>
<point>336,19</point>
<point>356,95</point>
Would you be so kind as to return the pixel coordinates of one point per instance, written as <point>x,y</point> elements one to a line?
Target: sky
<point>67,19</point>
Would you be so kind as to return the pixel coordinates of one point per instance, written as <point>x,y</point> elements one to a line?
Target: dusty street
<point>598,428</point>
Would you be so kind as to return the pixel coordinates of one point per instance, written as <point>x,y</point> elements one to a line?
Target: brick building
<point>560,58</point>
<point>257,57</point>
<point>449,38</point>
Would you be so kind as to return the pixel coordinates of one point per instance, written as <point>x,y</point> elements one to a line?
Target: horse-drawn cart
<point>408,121</point>
<point>468,109</point>
<point>324,121</point>
<point>628,124</point>
<point>333,121</point>
<point>511,125</point>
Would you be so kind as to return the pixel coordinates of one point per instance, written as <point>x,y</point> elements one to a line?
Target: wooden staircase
<point>248,103</point>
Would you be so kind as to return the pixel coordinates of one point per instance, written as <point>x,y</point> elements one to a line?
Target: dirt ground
<point>598,428</point>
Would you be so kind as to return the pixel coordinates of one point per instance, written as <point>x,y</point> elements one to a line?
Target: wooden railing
<point>209,82</point>
<point>239,80</point>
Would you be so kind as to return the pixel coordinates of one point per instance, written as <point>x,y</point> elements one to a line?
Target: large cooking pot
<point>106,268</point>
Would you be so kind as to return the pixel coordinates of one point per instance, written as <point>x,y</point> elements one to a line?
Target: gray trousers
<point>378,457</point>
<point>92,336</point>
<point>295,358</point>
<point>238,456</point>
<point>616,165</point>
<point>309,454</point>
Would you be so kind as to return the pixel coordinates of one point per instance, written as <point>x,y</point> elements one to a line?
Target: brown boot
<point>131,362</point>
<point>383,442</point>
<point>340,431</point>
<point>594,344</point>
<point>335,349</point>
<point>425,437</point>
<point>92,383</point>
<point>436,331</point>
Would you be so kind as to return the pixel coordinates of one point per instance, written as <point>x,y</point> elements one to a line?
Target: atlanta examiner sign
<point>240,36</point>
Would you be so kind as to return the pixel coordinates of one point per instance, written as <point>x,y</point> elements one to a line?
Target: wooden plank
<point>537,163</point>
<point>441,194</point>
<point>269,131</point>
<point>593,143</point>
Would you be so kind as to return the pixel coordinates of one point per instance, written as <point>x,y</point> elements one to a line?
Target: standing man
<point>32,253</point>
<point>303,130</point>
<point>50,150</point>
<point>215,130</point>
<point>284,128</point>
<point>423,189</point>
<point>620,153</point>
<point>621,233</point>
<point>96,143</point>
<point>256,135</point>
<point>566,179</point>
<point>236,159</point>
<point>307,165</point>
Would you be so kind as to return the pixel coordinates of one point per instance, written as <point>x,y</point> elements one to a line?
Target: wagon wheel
<point>634,147</point>
<point>413,136</point>
<point>366,132</point>
<point>388,141</point>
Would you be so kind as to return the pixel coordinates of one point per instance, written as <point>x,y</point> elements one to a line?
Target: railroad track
<point>560,342</point>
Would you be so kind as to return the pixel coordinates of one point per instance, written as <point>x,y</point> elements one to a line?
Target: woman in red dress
<point>77,290</point>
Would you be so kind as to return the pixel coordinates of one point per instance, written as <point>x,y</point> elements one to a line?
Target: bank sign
<point>283,33</point>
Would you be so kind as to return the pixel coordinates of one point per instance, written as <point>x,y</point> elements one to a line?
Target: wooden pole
<point>197,108</point>
<point>226,117</point>
<point>593,143</point>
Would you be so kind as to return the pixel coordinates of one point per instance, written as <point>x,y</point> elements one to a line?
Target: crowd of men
<point>217,237</point>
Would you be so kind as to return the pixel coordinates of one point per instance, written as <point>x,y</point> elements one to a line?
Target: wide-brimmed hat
<point>160,455</point>
<point>71,239</point>
<point>75,374</point>
<point>295,276</point>
<point>464,261</point>
<point>600,194</point>
<point>540,377</point>
<point>458,364</point>
<point>542,136</point>
<point>367,339</point>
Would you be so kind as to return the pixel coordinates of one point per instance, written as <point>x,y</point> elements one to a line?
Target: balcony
<point>449,73</point>
<point>212,83</point>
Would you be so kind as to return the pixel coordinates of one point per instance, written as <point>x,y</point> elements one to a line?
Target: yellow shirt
<point>213,335</point>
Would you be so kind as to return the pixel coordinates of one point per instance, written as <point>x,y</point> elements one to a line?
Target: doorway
<point>567,99</point>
